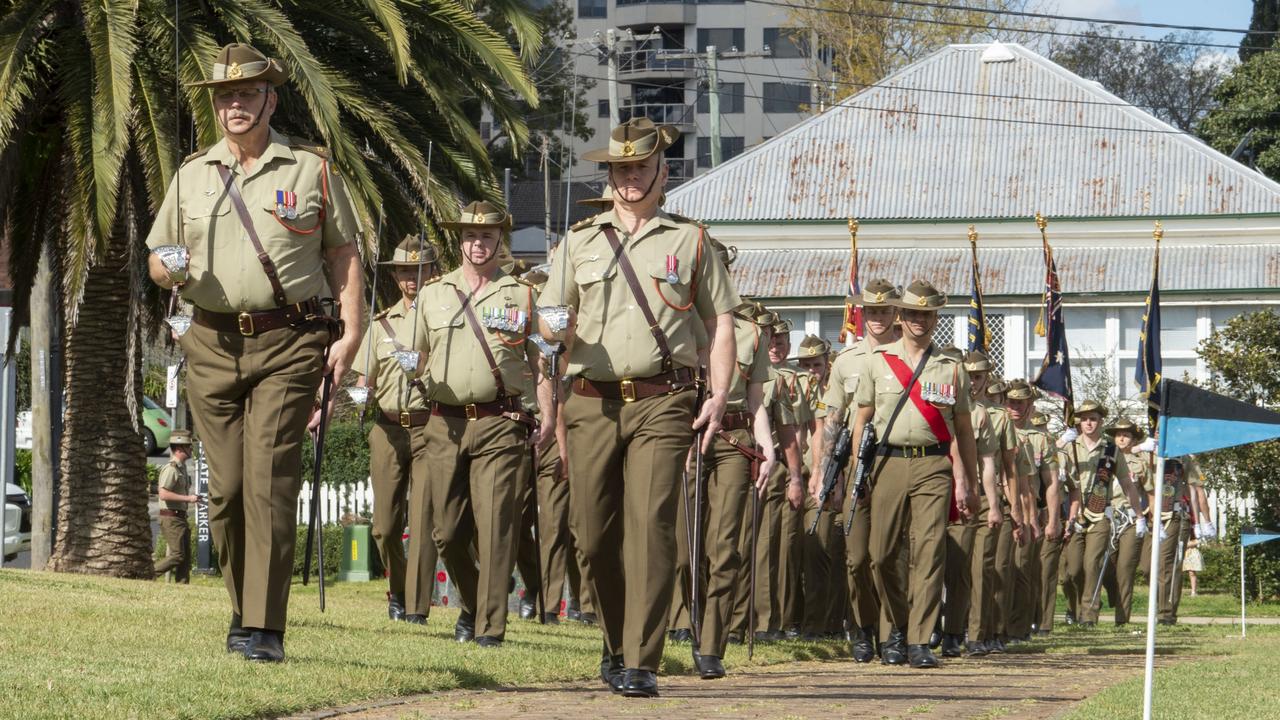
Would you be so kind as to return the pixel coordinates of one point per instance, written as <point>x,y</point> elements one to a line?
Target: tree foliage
<point>1242,359</point>
<point>1173,81</point>
<point>1249,99</point>
<point>865,40</point>
<point>1263,25</point>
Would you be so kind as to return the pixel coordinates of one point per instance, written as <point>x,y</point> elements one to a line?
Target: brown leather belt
<point>257,322</point>
<point>740,420</point>
<point>407,419</point>
<point>173,513</point>
<point>506,407</point>
<point>630,390</point>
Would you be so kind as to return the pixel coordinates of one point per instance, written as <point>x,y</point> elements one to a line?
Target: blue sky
<point>1215,13</point>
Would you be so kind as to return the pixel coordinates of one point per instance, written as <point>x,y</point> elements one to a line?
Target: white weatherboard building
<point>989,135</point>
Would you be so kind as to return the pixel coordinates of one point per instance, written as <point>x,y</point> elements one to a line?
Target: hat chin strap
<point>648,191</point>
<point>261,113</point>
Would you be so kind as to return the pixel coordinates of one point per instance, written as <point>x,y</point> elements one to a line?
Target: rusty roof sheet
<point>911,147</point>
<point>1011,271</point>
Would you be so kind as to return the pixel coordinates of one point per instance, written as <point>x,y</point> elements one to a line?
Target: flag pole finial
<point>1041,222</point>
<point>853,226</point>
<point>1158,232</point>
<point>973,236</point>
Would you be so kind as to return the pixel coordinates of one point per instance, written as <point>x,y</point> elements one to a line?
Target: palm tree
<point>91,134</point>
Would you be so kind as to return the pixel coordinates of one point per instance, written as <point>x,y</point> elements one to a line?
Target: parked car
<point>157,426</point>
<point>17,521</point>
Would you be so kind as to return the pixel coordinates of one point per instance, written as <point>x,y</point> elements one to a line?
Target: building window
<point>945,333</point>
<point>995,348</point>
<point>722,38</point>
<point>785,97</point>
<point>593,8</point>
<point>602,108</point>
<point>732,97</point>
<point>786,43</point>
<point>730,147</point>
<point>486,130</point>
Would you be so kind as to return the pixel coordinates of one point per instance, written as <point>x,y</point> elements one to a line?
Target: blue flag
<point>1055,372</point>
<point>1256,536</point>
<point>1195,420</point>
<point>1150,367</point>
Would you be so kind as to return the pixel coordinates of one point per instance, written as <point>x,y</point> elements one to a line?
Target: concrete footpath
<point>1023,685</point>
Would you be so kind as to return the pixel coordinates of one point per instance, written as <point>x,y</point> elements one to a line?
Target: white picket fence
<point>356,498</point>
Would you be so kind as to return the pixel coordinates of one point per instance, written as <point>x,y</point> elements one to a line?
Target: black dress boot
<point>611,670</point>
<point>395,606</point>
<point>952,645</point>
<point>265,646</point>
<point>894,650</point>
<point>465,629</point>
<point>920,656</point>
<point>710,667</point>
<point>639,683</point>
<point>863,649</point>
<point>237,637</point>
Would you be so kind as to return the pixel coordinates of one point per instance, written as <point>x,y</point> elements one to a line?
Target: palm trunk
<point>104,527</point>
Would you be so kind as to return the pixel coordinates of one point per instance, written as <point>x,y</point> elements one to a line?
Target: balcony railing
<point>661,113</point>
<point>653,61</point>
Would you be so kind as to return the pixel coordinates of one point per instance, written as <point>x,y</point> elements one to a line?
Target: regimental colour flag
<point>1055,372</point>
<point>1150,367</point>
<point>979,333</point>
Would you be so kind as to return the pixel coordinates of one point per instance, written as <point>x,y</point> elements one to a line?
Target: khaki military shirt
<point>1179,475</point>
<point>612,339</point>
<point>752,363</point>
<point>881,389</point>
<point>224,273</point>
<point>778,402</point>
<point>1035,453</point>
<point>392,392</point>
<point>174,478</point>
<point>1138,473</point>
<point>984,444</point>
<point>842,381</point>
<point>1083,465</point>
<point>458,373</point>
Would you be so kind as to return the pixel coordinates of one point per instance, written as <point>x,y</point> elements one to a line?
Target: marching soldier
<point>479,362</point>
<point>1182,481</point>
<point>268,227</point>
<point>824,584</point>
<point>175,493</point>
<point>1128,549</point>
<point>1037,467</point>
<point>1016,529</point>
<point>879,317</point>
<point>1095,468</point>
<point>632,352</point>
<point>967,580</point>
<point>1051,549</point>
<point>397,449</point>
<point>917,396</point>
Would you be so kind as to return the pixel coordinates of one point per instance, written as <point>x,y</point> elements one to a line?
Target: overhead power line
<point>1074,18</point>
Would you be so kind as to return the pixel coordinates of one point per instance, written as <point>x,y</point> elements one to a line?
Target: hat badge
<point>413,256</point>
<point>628,150</point>
<point>234,71</point>
<point>922,301</point>
<point>879,297</point>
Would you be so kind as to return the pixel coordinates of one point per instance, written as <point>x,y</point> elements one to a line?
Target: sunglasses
<point>241,94</point>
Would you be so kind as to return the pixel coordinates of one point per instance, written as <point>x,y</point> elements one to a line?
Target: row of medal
<point>508,319</point>
<point>938,393</point>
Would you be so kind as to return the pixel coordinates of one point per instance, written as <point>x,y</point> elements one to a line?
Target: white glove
<point>1148,445</point>
<point>1070,435</point>
<point>1141,528</point>
<point>1163,534</point>
<point>1133,516</point>
<point>1207,531</point>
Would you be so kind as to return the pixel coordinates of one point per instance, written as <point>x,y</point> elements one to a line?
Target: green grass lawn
<point>1203,605</point>
<point>84,647</point>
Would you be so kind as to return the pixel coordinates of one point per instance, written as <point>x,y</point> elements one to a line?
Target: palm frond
<point>109,29</point>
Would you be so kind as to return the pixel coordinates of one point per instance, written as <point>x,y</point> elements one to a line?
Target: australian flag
<point>1149,365</point>
<point>1055,372</point>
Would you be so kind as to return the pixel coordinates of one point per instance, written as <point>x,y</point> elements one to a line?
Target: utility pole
<point>546,191</point>
<point>712,56</point>
<point>611,48</point>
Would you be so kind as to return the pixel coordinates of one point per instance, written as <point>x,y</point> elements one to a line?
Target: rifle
<point>326,385</point>
<point>837,461</point>
<point>861,471</point>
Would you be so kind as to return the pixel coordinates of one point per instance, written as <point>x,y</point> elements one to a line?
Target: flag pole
<point>1242,630</point>
<point>1153,593</point>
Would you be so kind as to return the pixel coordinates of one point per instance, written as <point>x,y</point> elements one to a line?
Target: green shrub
<point>346,452</point>
<point>153,478</point>
<point>22,467</point>
<point>1221,568</point>
<point>332,549</point>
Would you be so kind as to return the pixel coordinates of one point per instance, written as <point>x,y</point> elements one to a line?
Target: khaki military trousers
<point>984,579</point>
<point>1073,572</point>
<point>1026,587</point>
<point>398,465</point>
<point>251,398</point>
<point>678,617</point>
<point>625,463</point>
<point>958,579</point>
<point>1002,607</point>
<point>475,466</point>
<point>790,567</point>
<point>909,503</point>
<point>1126,558</point>
<point>824,577</point>
<point>528,544</point>
<point>769,579</point>
<point>864,600</point>
<point>1097,540</point>
<point>1050,556</point>
<point>177,556</point>
<point>1176,529</point>
<point>553,523</point>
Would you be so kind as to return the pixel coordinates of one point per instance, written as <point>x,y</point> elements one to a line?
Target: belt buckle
<point>915,451</point>
<point>244,322</point>
<point>404,419</point>
<point>471,412</point>
<point>628,390</point>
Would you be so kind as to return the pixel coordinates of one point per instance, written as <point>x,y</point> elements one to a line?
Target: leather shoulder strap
<point>484,344</point>
<point>386,327</point>
<point>246,220</point>
<point>660,337</point>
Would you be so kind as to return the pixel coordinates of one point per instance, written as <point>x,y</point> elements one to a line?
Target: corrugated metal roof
<point>909,148</point>
<point>1011,271</point>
